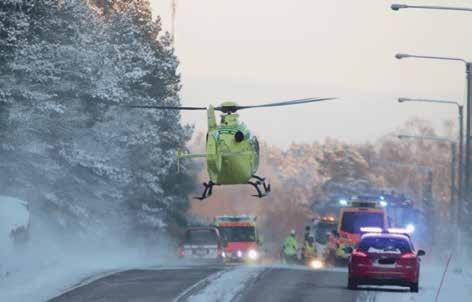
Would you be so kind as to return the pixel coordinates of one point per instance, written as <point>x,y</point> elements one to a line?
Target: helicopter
<point>232,152</point>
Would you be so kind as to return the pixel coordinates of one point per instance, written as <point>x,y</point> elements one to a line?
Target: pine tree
<point>69,142</point>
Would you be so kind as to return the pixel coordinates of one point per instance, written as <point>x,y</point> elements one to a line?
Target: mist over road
<point>216,283</point>
<point>277,284</point>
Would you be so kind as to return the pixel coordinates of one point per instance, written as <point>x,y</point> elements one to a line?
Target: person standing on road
<point>309,249</point>
<point>290,248</point>
<point>307,232</point>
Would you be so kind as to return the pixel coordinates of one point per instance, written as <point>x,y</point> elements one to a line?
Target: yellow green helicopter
<point>232,153</point>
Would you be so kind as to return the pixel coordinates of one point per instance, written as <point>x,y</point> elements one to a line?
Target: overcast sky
<point>257,51</point>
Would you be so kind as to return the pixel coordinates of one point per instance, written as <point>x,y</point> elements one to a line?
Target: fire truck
<point>241,240</point>
<point>353,216</point>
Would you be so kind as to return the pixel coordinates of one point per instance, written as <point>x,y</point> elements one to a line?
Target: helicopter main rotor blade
<point>166,107</point>
<point>286,103</point>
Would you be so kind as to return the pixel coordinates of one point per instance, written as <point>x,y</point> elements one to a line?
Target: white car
<point>202,244</point>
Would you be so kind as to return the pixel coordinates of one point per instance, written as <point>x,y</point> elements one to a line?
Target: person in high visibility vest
<point>290,248</point>
<point>309,248</point>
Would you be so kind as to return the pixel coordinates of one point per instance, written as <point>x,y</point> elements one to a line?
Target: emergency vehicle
<point>240,238</point>
<point>352,217</point>
<point>322,229</point>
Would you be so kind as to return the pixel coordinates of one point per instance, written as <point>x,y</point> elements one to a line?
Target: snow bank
<point>457,285</point>
<point>42,278</point>
<point>227,285</point>
<point>14,220</point>
<point>52,260</point>
<point>14,214</point>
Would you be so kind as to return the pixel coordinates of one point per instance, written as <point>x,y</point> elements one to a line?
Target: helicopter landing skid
<point>207,191</point>
<point>259,184</point>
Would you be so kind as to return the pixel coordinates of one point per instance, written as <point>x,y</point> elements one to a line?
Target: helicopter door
<point>213,155</point>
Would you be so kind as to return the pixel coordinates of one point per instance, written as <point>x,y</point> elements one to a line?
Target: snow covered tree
<point>70,143</point>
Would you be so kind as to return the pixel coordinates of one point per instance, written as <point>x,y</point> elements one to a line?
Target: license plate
<point>377,264</point>
<point>201,252</point>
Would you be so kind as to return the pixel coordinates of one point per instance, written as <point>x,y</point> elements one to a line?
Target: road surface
<point>215,283</point>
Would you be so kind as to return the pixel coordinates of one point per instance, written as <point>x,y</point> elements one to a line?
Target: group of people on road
<point>291,252</point>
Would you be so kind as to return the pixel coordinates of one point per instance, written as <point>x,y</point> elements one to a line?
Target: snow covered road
<point>218,284</point>
<point>140,285</point>
<point>249,283</point>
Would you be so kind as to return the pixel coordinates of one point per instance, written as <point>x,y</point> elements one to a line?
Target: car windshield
<point>385,245</point>
<point>323,230</point>
<point>238,234</point>
<point>201,237</point>
<point>352,222</point>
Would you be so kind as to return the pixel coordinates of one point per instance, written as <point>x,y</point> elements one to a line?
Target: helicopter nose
<point>239,136</point>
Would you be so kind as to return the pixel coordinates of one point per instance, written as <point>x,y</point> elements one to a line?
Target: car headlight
<point>316,264</point>
<point>410,228</point>
<point>239,254</point>
<point>253,254</point>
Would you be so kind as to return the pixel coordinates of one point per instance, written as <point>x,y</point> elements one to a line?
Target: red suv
<point>385,259</point>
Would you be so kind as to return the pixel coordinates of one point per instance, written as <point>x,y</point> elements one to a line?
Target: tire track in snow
<point>367,296</point>
<point>224,286</point>
<point>198,286</point>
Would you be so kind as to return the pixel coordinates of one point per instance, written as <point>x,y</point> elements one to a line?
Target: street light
<point>460,108</point>
<point>468,151</point>
<point>453,159</point>
<point>397,7</point>
<point>405,55</point>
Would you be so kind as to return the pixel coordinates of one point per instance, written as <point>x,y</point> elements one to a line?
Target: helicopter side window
<point>239,136</point>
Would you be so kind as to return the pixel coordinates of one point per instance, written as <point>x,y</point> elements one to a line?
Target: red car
<point>385,259</point>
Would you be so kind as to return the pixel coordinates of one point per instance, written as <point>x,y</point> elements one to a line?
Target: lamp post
<point>468,179</point>
<point>453,163</point>
<point>460,108</point>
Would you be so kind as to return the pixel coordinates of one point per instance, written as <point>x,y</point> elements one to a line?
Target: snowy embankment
<point>41,265</point>
<point>456,286</point>
<point>14,227</point>
<point>44,279</point>
<point>14,216</point>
